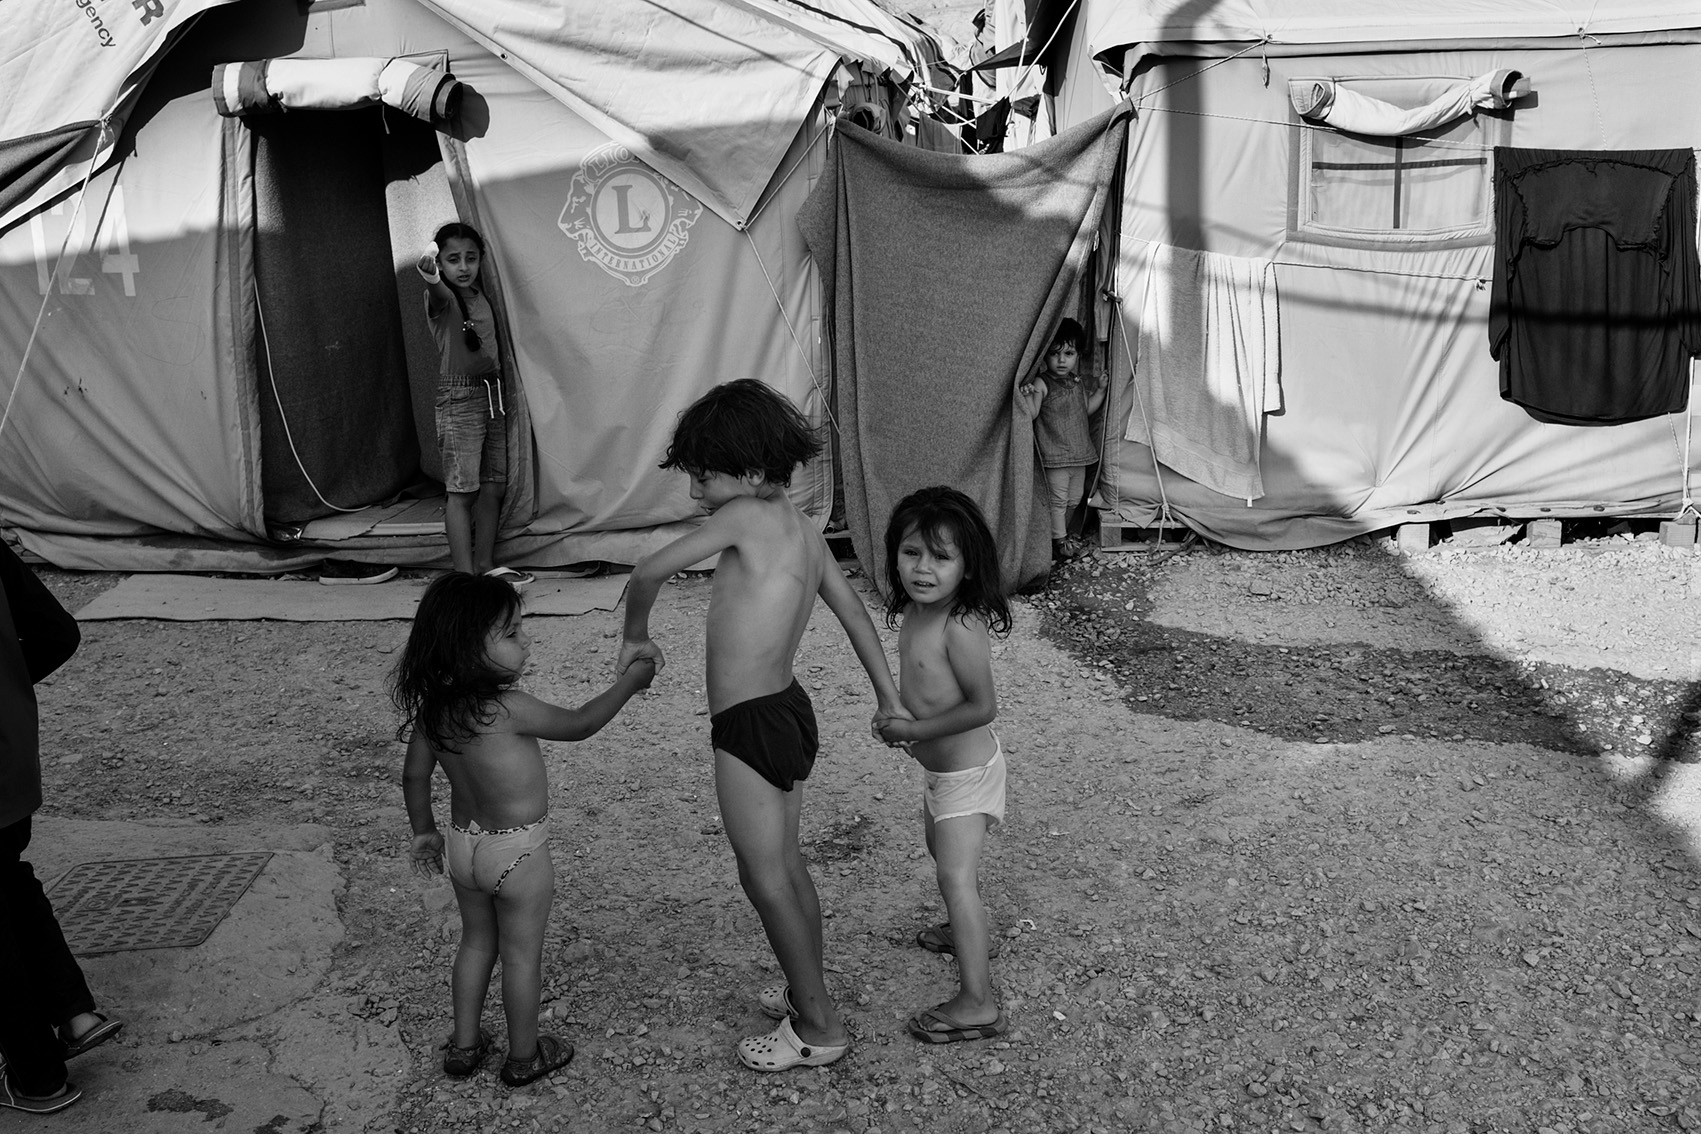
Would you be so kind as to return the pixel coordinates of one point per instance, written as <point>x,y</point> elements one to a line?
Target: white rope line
<point>1032,63</point>
<point>958,95</point>
<point>774,188</point>
<point>1438,143</point>
<point>266,342</point>
<point>53,281</point>
<point>1139,106</point>
<point>1477,281</point>
<point>826,402</point>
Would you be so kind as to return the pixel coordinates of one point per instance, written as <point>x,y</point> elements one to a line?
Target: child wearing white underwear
<point>454,686</point>
<point>945,590</point>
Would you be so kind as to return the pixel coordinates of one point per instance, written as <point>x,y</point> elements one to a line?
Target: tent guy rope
<point>58,267</point>
<point>283,416</point>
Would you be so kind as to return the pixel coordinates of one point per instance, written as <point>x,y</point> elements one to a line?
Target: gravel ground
<point>1329,840</point>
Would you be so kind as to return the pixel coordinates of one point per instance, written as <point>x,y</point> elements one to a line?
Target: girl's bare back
<point>497,779</point>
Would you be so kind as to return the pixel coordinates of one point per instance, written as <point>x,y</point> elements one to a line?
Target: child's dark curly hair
<point>742,427</point>
<point>940,513</point>
<point>443,685</point>
<point>1069,332</point>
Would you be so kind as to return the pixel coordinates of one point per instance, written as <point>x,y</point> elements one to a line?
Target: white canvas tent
<point>210,332</point>
<point>1380,404</point>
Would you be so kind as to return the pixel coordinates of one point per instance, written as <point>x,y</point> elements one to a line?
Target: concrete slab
<point>237,1033</point>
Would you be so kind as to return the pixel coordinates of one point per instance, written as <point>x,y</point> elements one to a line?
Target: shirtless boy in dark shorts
<point>740,444</point>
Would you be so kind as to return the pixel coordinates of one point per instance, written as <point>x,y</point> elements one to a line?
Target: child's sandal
<point>551,1054</point>
<point>463,1061</point>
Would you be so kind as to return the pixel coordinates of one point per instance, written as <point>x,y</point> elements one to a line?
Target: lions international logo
<point>625,217</point>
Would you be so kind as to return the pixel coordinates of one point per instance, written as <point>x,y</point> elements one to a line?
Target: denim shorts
<point>472,428</point>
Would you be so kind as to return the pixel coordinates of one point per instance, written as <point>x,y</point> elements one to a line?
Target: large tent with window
<point>1298,317</point>
<point>213,352</point>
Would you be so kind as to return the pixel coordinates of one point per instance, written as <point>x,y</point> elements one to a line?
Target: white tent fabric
<point>707,93</point>
<point>1391,410</point>
<point>135,432</point>
<point>72,70</point>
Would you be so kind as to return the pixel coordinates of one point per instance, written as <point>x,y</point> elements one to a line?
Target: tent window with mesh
<point>1401,190</point>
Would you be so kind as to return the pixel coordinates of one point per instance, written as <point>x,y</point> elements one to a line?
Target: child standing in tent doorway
<point>740,443</point>
<point>454,685</point>
<point>1061,404</point>
<point>472,416</point>
<point>942,568</point>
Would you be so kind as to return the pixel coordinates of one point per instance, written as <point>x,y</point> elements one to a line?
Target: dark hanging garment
<point>1596,308</point>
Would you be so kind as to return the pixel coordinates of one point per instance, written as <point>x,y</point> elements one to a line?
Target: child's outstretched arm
<point>441,295</point>
<point>532,717</point>
<point>426,847</point>
<point>848,608</point>
<point>1030,395</point>
<point>719,532</point>
<point>968,650</point>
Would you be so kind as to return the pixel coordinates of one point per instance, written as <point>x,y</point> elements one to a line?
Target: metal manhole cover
<point>150,903</point>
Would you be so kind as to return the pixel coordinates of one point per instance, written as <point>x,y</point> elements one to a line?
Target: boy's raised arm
<point>719,532</point>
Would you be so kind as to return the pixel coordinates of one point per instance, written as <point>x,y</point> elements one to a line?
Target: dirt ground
<point>1331,840</point>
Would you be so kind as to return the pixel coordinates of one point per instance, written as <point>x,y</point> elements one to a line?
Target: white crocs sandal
<point>776,1002</point>
<point>781,1050</point>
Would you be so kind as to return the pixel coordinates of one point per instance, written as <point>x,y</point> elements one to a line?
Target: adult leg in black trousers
<point>44,985</point>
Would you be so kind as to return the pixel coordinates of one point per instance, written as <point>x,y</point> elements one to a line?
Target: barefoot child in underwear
<point>454,686</point>
<point>942,568</point>
<point>739,444</point>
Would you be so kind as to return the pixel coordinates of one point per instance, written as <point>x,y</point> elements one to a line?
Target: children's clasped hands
<point>888,728</point>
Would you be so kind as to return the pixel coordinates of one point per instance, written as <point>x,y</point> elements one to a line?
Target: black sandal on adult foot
<point>11,1099</point>
<point>459,1062</point>
<point>93,1036</point>
<point>552,1054</point>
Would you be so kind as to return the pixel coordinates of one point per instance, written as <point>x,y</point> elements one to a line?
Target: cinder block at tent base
<point>1678,533</point>
<point>1114,536</point>
<point>1410,538</point>
<point>1544,533</point>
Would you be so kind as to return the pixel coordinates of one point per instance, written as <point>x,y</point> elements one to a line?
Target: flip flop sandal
<point>939,939</point>
<point>781,1050</point>
<point>37,1104</point>
<point>776,1002</point>
<point>94,1037</point>
<point>935,1026</point>
<point>551,1055</point>
<point>512,577</point>
<point>463,1061</point>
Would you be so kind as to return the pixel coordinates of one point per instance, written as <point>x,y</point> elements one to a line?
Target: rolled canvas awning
<point>266,85</point>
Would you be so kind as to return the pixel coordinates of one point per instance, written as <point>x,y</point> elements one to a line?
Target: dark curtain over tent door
<point>945,276</point>
<point>336,412</point>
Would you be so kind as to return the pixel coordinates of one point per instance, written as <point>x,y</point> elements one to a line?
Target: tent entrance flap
<point>337,426</point>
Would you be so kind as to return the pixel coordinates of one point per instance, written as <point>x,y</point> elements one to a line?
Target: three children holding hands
<point>456,685</point>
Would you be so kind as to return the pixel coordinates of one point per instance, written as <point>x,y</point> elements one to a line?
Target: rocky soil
<point>1331,840</point>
